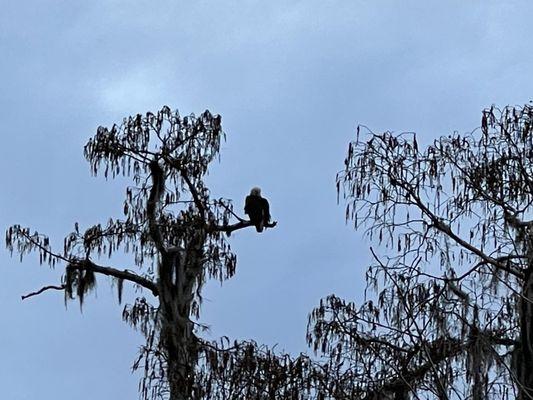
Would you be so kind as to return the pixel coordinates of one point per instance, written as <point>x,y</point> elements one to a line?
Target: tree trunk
<point>178,340</point>
<point>180,350</point>
<point>178,278</point>
<point>523,353</point>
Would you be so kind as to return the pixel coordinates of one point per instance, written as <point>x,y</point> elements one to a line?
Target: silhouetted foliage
<point>452,314</point>
<point>177,235</point>
<point>447,313</point>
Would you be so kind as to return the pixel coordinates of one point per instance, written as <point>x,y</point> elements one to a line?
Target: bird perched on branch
<point>258,209</point>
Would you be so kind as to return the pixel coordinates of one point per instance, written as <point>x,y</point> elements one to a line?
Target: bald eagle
<point>258,209</point>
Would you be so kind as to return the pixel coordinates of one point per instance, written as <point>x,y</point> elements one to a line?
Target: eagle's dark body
<point>258,209</point>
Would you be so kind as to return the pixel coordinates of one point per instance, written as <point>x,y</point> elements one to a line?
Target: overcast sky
<point>291,79</point>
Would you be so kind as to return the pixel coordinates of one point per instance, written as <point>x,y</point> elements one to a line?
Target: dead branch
<point>43,289</point>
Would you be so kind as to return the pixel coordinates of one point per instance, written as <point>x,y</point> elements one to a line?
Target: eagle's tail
<point>259,227</point>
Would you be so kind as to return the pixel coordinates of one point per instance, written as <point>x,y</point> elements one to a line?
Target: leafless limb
<point>43,289</point>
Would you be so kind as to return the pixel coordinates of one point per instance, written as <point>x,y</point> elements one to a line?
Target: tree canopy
<point>447,311</point>
<point>175,231</point>
<point>451,317</point>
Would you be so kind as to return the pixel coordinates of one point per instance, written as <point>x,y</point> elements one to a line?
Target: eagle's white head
<point>256,191</point>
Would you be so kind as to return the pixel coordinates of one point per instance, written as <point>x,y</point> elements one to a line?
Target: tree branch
<point>158,186</point>
<point>193,191</point>
<point>515,222</point>
<point>43,289</point>
<point>231,211</point>
<point>41,247</point>
<point>445,228</point>
<point>88,265</point>
<point>239,225</point>
<point>438,351</point>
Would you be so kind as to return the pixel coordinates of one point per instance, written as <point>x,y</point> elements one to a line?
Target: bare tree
<point>452,316</point>
<point>177,235</point>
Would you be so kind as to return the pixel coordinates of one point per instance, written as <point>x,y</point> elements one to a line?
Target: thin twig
<point>231,211</point>
<point>43,289</point>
